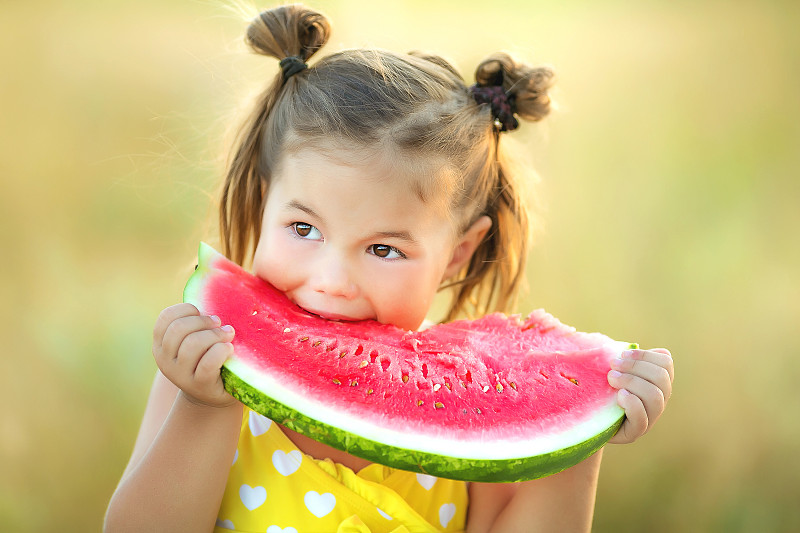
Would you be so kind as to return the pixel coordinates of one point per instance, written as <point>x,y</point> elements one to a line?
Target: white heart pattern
<point>258,424</point>
<point>426,481</point>
<point>287,463</point>
<point>252,497</point>
<point>319,504</point>
<point>276,529</point>
<point>225,524</point>
<point>446,513</point>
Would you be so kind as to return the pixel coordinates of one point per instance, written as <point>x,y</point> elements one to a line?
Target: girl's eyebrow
<point>294,204</point>
<point>401,235</point>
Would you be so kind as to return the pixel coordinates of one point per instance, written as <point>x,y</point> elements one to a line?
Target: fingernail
<point>216,319</point>
<point>627,353</point>
<point>624,392</point>
<point>614,374</point>
<point>227,329</point>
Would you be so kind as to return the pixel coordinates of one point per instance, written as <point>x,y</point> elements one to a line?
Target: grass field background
<point>669,199</point>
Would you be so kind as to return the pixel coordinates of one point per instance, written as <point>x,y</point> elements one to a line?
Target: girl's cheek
<point>405,297</point>
<point>277,258</point>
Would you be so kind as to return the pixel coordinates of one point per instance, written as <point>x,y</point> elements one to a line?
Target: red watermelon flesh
<point>494,399</point>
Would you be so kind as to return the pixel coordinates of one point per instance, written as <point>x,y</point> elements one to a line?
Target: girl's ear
<point>466,245</point>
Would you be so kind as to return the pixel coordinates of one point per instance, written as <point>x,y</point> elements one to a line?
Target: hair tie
<point>502,105</point>
<point>291,65</point>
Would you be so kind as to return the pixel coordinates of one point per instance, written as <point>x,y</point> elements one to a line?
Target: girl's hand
<point>189,349</point>
<point>644,378</point>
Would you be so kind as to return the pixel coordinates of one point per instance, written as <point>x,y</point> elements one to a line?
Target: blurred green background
<point>669,201</point>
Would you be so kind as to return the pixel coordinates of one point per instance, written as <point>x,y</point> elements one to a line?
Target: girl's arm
<point>563,502</point>
<point>180,462</point>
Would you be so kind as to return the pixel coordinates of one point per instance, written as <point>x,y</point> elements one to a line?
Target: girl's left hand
<point>644,378</point>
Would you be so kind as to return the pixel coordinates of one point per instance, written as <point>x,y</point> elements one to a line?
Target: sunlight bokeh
<point>669,204</point>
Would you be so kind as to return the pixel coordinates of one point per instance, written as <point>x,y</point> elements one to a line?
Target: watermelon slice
<point>496,399</point>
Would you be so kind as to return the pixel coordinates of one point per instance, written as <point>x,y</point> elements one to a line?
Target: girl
<point>358,186</point>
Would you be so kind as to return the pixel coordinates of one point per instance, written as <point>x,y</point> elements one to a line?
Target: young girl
<point>359,186</point>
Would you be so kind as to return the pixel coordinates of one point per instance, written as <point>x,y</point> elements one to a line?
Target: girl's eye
<point>385,251</point>
<point>306,231</point>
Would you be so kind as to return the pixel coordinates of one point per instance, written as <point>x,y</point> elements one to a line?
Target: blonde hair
<point>414,104</point>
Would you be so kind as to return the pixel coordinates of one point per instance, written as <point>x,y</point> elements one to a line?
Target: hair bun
<point>528,85</point>
<point>291,30</point>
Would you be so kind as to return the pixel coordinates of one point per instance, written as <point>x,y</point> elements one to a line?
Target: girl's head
<point>379,146</point>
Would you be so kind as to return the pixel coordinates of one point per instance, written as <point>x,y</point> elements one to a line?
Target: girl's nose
<point>333,277</point>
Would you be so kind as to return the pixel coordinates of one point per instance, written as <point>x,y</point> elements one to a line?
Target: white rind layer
<point>464,448</point>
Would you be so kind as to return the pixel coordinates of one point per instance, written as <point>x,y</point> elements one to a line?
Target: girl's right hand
<point>189,349</point>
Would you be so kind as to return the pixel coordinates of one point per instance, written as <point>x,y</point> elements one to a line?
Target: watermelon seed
<point>513,385</point>
<point>499,387</point>
<point>485,388</point>
<point>436,387</point>
<point>545,375</point>
<point>354,383</point>
<point>464,411</point>
<point>438,405</point>
<point>370,391</point>
<point>303,339</point>
<point>332,347</point>
<point>447,384</point>
<point>341,355</point>
<point>255,312</point>
<point>363,364</point>
<point>285,330</point>
<point>419,403</point>
<point>405,378</point>
<point>316,343</point>
<point>336,381</point>
<point>478,410</point>
<point>572,380</point>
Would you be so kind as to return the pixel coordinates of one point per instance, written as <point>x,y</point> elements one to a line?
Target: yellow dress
<point>275,488</point>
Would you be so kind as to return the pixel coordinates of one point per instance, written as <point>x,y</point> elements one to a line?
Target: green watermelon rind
<point>461,468</point>
<point>191,292</point>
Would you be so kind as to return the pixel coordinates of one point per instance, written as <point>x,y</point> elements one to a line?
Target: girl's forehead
<point>429,178</point>
<point>354,197</point>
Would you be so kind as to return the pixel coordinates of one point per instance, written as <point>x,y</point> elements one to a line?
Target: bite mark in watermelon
<point>501,398</point>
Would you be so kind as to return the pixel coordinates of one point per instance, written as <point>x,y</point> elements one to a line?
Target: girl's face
<point>350,242</point>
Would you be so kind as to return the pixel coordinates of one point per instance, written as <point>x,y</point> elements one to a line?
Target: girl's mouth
<point>329,316</point>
